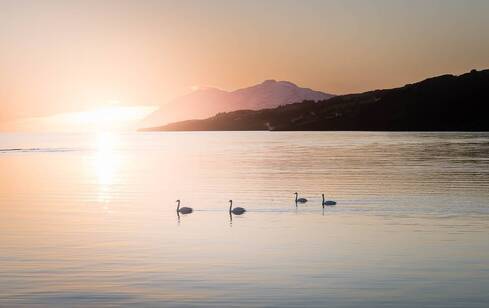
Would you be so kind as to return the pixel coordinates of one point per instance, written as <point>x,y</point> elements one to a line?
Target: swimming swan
<point>299,200</point>
<point>328,202</point>
<point>183,210</point>
<point>236,210</point>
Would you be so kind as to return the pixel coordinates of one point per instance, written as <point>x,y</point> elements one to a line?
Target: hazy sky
<point>66,56</point>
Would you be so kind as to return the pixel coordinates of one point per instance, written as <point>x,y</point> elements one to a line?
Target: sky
<point>83,59</point>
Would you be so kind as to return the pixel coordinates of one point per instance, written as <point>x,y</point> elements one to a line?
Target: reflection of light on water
<point>105,160</point>
<point>106,163</point>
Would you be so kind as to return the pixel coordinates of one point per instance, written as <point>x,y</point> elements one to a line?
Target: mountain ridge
<point>441,103</point>
<point>206,102</point>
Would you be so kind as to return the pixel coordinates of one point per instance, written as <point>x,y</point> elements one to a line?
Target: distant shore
<point>443,103</point>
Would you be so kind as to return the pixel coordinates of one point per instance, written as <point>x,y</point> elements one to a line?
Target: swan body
<point>236,210</point>
<point>328,202</point>
<point>299,200</point>
<point>183,210</point>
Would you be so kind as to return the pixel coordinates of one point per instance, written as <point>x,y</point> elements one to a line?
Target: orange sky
<point>79,56</point>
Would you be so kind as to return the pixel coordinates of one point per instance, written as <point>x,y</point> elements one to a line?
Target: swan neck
<point>178,206</point>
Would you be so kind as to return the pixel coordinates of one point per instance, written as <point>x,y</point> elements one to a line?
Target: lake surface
<point>90,220</point>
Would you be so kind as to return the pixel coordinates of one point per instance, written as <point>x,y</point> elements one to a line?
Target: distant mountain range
<point>443,103</point>
<point>207,102</point>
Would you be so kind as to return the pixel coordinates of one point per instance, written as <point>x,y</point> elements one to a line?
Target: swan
<point>236,210</point>
<point>299,200</point>
<point>183,210</point>
<point>328,202</point>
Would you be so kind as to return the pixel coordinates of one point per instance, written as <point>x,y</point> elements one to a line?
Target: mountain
<point>443,103</point>
<point>207,102</point>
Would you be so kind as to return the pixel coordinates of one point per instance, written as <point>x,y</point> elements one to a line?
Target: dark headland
<point>443,103</point>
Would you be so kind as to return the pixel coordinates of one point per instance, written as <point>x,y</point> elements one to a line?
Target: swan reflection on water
<point>231,218</point>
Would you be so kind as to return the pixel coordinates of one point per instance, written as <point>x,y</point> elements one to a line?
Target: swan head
<point>178,201</point>
<point>296,193</point>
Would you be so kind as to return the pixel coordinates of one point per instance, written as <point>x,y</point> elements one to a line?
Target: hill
<point>443,103</point>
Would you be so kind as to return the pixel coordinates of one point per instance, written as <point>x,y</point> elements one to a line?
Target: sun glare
<point>109,117</point>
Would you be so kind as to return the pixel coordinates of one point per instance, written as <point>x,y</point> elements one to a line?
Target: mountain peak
<point>270,82</point>
<point>287,83</point>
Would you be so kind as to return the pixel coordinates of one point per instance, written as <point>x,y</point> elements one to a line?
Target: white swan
<point>183,210</point>
<point>328,202</point>
<point>299,200</point>
<point>236,210</point>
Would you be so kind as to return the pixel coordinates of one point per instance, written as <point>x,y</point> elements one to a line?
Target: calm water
<point>89,220</point>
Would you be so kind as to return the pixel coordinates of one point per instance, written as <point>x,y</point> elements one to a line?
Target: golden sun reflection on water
<point>106,163</point>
